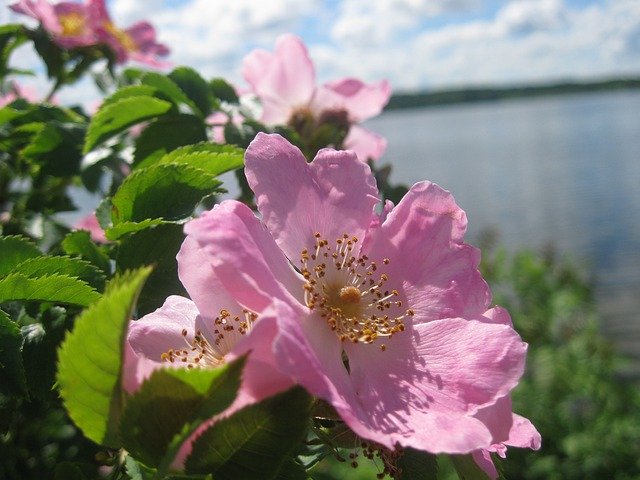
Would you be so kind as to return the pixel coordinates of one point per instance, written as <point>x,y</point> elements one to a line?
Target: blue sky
<point>413,43</point>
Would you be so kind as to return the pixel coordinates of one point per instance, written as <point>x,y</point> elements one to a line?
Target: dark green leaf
<point>61,265</point>
<point>195,87</point>
<point>418,465</point>
<point>169,191</point>
<point>169,89</point>
<point>90,360</point>
<point>52,288</point>
<point>254,442</point>
<point>224,91</point>
<point>171,405</point>
<point>15,250</point>
<point>68,471</point>
<point>292,470</point>
<point>79,243</point>
<point>467,469</point>
<point>120,115</point>
<point>154,246</point>
<point>12,377</point>
<point>166,134</point>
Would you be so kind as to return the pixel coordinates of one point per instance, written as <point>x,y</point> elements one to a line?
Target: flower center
<point>205,351</point>
<point>72,23</point>
<point>348,292</point>
<point>127,42</point>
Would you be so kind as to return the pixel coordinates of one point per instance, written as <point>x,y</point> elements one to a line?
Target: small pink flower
<point>69,23</point>
<point>17,91</point>
<point>285,83</point>
<point>204,332</point>
<point>385,316</point>
<point>90,223</point>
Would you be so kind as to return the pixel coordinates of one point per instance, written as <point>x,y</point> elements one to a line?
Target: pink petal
<point>136,369</point>
<point>523,434</point>
<point>498,419</point>
<point>366,144</point>
<point>483,459</point>
<point>203,285</point>
<point>421,390</point>
<point>284,80</point>
<point>360,100</point>
<point>42,11</point>
<point>158,331</point>
<point>91,224</point>
<point>244,256</point>
<point>335,194</point>
<point>434,271</point>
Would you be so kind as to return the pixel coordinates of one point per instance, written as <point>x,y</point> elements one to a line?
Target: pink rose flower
<point>137,42</point>
<point>90,223</point>
<point>285,82</point>
<point>75,25</point>
<point>383,315</point>
<point>204,332</point>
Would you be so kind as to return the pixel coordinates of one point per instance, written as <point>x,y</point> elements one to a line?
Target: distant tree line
<point>483,94</point>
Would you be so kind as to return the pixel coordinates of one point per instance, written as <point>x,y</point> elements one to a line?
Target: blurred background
<point>528,111</point>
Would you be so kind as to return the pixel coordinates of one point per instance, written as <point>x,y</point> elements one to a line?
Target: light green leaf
<point>79,243</point>
<point>62,265</point>
<point>467,468</point>
<point>121,229</point>
<point>169,191</point>
<point>50,288</point>
<point>120,115</point>
<point>214,159</point>
<point>254,442</point>
<point>171,405</point>
<point>90,360</point>
<point>15,250</point>
<point>12,376</point>
<point>129,91</point>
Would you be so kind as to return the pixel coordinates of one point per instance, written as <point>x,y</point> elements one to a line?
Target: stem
<point>56,86</point>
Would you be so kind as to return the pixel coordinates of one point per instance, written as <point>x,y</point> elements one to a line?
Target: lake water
<point>559,170</point>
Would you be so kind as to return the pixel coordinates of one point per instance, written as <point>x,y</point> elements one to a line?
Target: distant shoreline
<point>486,94</point>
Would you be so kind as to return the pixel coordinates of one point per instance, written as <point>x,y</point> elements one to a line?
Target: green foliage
<point>224,91</point>
<point>418,465</point>
<point>116,117</point>
<point>571,391</point>
<point>15,250</point>
<point>90,360</point>
<point>195,87</point>
<point>171,405</point>
<point>254,442</point>
<point>79,243</point>
<point>466,468</point>
<point>48,288</point>
<point>168,191</point>
<point>12,376</point>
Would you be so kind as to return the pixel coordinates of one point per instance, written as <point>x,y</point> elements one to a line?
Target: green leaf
<point>79,243</point>
<point>68,471</point>
<point>61,265</point>
<point>156,246</point>
<point>128,92</point>
<point>214,159</point>
<point>166,134</point>
<point>124,228</point>
<point>171,405</point>
<point>195,87</point>
<point>12,376</point>
<point>223,90</point>
<point>467,469</point>
<point>90,360</point>
<point>292,470</point>
<point>170,89</point>
<point>15,250</point>
<point>50,288</point>
<point>57,147</point>
<point>418,465</point>
<point>169,191</point>
<point>254,442</point>
<point>120,115</point>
